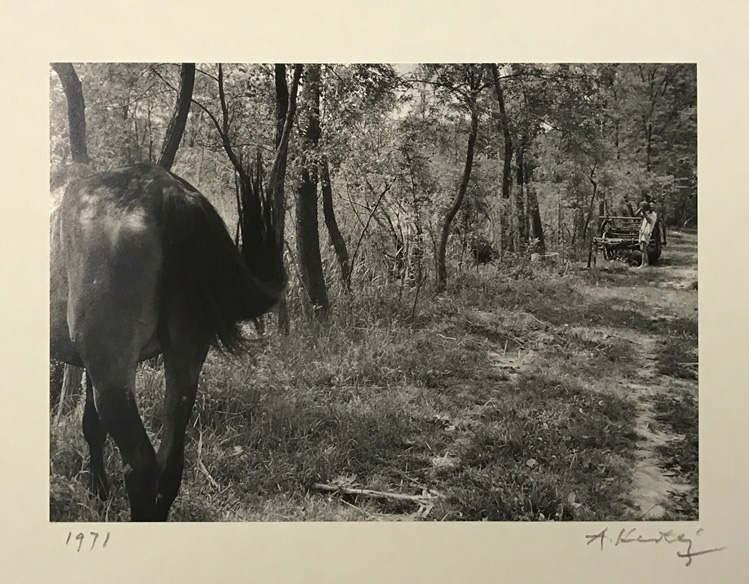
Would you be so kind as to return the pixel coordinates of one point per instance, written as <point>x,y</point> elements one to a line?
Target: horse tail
<point>203,270</point>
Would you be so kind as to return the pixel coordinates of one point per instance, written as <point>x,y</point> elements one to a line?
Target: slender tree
<point>468,91</point>
<point>285,113</point>
<point>521,217</point>
<point>282,108</point>
<point>533,208</point>
<point>179,119</point>
<point>336,238</point>
<point>504,224</point>
<point>307,232</point>
<point>71,85</point>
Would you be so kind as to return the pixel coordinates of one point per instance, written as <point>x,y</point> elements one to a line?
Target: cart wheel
<point>603,232</point>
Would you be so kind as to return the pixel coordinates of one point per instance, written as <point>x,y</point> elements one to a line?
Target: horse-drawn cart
<point>619,239</point>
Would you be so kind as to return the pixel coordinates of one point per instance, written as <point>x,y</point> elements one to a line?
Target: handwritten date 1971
<point>664,537</point>
<point>77,540</point>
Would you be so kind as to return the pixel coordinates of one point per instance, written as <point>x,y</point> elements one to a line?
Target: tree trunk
<point>307,233</point>
<point>282,99</point>
<point>441,262</point>
<point>521,241</point>
<point>339,243</point>
<point>535,212</point>
<point>179,118</point>
<point>71,85</point>
<point>275,186</point>
<point>282,108</point>
<point>285,109</point>
<point>504,224</point>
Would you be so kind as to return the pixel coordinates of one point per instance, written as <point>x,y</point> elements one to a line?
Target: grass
<point>678,356</point>
<point>679,413</point>
<point>499,395</point>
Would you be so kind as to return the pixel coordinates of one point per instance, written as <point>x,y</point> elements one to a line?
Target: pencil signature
<point>664,537</point>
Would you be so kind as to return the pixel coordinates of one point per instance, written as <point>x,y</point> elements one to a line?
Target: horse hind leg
<point>96,435</point>
<point>114,399</point>
<point>183,360</point>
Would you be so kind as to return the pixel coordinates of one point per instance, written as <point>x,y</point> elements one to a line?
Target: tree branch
<point>366,226</point>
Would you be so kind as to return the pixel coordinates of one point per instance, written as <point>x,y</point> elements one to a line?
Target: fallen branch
<point>419,499</point>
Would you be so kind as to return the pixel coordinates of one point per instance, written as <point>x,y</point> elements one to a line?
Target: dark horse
<point>142,264</point>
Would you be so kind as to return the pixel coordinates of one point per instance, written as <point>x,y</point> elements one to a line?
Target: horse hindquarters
<point>112,263</point>
<point>146,265</point>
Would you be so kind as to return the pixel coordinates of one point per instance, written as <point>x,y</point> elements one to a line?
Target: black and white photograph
<point>394,292</point>
<point>373,292</point>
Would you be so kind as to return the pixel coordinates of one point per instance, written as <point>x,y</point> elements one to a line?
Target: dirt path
<point>653,485</point>
<point>667,294</point>
<point>534,392</point>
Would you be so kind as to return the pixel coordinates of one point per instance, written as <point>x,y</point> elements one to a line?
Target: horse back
<point>135,248</point>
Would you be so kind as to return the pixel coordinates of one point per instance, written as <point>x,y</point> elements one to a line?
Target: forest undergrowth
<point>508,397</point>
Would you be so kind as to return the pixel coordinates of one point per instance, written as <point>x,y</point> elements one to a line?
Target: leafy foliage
<point>594,138</point>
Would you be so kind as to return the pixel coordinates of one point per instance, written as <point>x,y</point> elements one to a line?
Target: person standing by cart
<point>647,227</point>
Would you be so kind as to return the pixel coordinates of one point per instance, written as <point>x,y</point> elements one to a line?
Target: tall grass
<point>497,395</point>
